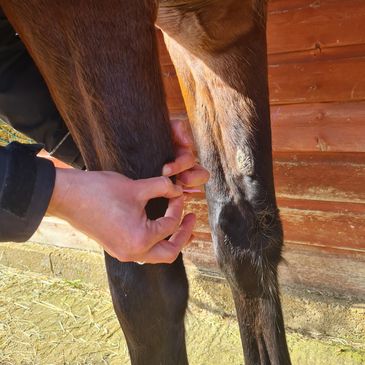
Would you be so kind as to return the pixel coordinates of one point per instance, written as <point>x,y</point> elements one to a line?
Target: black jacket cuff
<point>26,186</point>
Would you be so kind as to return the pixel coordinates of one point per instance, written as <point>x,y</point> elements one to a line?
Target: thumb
<point>156,187</point>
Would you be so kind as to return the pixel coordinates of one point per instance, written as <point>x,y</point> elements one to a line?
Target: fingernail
<point>166,170</point>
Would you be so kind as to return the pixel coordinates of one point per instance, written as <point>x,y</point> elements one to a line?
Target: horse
<point>100,62</point>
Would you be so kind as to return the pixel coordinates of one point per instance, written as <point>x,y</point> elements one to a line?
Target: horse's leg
<point>100,62</point>
<point>219,51</point>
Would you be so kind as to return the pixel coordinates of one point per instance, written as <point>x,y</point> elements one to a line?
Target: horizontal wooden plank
<point>305,24</point>
<point>328,229</point>
<point>320,176</point>
<point>321,227</point>
<point>328,32</point>
<point>317,268</point>
<point>336,127</point>
<point>321,81</point>
<point>318,54</point>
<point>321,206</point>
<point>299,25</point>
<point>283,6</point>
<point>321,197</point>
<point>331,177</point>
<point>339,271</point>
<point>301,83</point>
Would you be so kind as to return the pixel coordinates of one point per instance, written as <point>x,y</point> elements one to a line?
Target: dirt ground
<point>52,321</point>
<point>48,321</point>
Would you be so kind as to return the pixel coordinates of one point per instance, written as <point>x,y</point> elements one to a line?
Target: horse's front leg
<point>219,51</point>
<point>100,62</point>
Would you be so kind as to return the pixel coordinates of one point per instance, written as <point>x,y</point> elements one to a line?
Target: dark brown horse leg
<point>100,62</point>
<point>220,55</point>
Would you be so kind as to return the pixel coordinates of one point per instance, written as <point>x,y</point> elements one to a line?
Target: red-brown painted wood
<point>319,268</point>
<point>318,54</point>
<point>294,83</point>
<point>317,88</point>
<point>321,81</point>
<point>321,197</point>
<point>316,225</point>
<point>335,127</point>
<point>174,99</point>
<point>320,176</point>
<point>295,25</point>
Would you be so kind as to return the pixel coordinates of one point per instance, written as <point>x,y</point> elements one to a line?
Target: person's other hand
<point>188,172</point>
<point>110,208</point>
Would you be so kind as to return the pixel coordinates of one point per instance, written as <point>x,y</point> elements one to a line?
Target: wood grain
<point>340,80</point>
<point>321,80</point>
<point>313,268</point>
<point>297,25</point>
<point>335,127</point>
<point>342,230</point>
<point>317,94</point>
<point>320,176</point>
<point>321,197</point>
<point>318,54</point>
<point>305,83</point>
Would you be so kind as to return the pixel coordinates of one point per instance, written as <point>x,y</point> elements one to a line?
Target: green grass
<point>9,134</point>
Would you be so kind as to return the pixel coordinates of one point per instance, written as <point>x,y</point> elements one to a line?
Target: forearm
<point>26,185</point>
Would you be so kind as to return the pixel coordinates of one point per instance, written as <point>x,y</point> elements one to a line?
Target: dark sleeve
<point>25,102</point>
<point>26,186</point>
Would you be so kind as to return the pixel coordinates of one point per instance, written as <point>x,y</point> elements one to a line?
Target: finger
<point>183,162</point>
<point>165,226</point>
<point>156,187</point>
<point>167,251</point>
<point>193,177</point>
<point>181,134</point>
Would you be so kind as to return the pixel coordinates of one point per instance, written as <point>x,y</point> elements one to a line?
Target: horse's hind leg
<point>219,52</point>
<point>100,62</point>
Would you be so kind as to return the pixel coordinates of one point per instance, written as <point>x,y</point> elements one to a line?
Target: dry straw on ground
<point>48,321</point>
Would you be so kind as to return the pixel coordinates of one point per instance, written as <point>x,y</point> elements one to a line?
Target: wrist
<point>61,193</point>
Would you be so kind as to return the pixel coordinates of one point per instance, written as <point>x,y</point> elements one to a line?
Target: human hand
<point>110,208</point>
<point>188,172</point>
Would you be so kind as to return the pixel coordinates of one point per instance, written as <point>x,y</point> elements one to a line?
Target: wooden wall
<point>317,93</point>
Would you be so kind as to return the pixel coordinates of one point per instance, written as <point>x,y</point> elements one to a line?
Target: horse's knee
<point>248,244</point>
